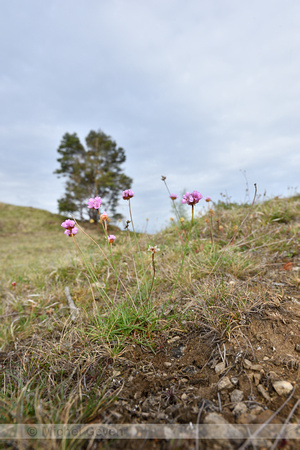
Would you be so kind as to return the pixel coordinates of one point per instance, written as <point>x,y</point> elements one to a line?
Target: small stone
<point>236,396</point>
<point>240,408</point>
<point>297,347</point>
<point>215,419</point>
<point>266,358</point>
<point>263,392</point>
<point>225,383</point>
<point>234,381</point>
<point>184,397</point>
<point>256,377</point>
<point>184,380</point>
<point>167,364</point>
<point>282,387</point>
<point>220,367</point>
<point>256,367</point>
<point>247,364</point>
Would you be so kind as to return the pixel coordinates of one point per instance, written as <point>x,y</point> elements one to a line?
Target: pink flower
<point>127,194</point>
<point>94,203</point>
<point>207,199</point>
<point>104,216</point>
<point>191,198</point>
<point>173,196</point>
<point>69,225</point>
<point>111,238</point>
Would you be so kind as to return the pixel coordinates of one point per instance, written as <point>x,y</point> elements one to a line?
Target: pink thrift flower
<point>104,216</point>
<point>191,198</point>
<point>94,203</point>
<point>111,238</point>
<point>173,196</point>
<point>207,199</point>
<point>127,194</point>
<point>69,225</point>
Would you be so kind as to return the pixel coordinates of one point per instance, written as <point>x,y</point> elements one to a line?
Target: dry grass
<point>57,371</point>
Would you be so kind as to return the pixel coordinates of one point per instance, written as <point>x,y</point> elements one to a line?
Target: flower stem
<point>153,266</point>
<point>112,258</point>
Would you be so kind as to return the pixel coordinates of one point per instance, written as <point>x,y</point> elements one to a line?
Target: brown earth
<point>178,384</point>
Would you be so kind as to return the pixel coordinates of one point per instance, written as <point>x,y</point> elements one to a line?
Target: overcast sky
<point>196,90</point>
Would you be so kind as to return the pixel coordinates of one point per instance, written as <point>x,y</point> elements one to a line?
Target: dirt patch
<point>186,373</point>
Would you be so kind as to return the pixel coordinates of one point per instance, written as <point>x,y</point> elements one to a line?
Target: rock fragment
<point>225,383</point>
<point>236,396</point>
<point>282,387</point>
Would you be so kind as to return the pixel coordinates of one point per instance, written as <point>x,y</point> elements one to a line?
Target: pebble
<point>247,364</point>
<point>167,364</point>
<point>240,408</point>
<point>282,387</point>
<point>297,347</point>
<point>225,383</point>
<point>234,381</point>
<point>215,419</point>
<point>236,396</point>
<point>223,436</point>
<point>220,367</point>
<point>184,397</point>
<point>263,392</point>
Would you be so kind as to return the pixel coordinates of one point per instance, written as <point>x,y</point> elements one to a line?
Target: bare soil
<point>179,379</point>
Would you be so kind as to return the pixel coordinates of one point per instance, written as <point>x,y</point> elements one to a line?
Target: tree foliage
<point>90,172</point>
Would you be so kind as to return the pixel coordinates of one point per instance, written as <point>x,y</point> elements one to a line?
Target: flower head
<point>94,203</point>
<point>173,196</point>
<point>207,199</point>
<point>111,238</point>
<point>104,216</point>
<point>191,198</point>
<point>154,249</point>
<point>69,225</point>
<point>127,194</point>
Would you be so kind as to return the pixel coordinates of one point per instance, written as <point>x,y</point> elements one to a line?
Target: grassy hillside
<point>137,337</point>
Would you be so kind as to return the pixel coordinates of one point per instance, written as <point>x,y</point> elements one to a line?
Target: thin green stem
<point>153,266</point>
<point>112,257</point>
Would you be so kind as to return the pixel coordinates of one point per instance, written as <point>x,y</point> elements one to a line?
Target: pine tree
<point>94,171</point>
